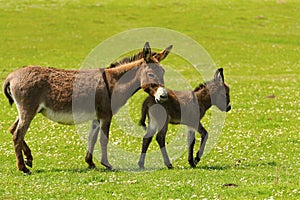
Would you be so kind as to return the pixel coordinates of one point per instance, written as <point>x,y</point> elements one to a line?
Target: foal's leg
<point>161,140</point>
<point>191,144</point>
<point>204,137</point>
<point>146,142</point>
<point>25,147</point>
<point>93,135</point>
<point>104,136</point>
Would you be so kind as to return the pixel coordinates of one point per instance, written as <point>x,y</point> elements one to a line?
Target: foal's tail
<point>7,92</point>
<point>144,115</point>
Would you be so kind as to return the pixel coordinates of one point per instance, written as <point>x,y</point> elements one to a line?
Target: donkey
<point>53,93</point>
<point>95,126</point>
<point>183,107</point>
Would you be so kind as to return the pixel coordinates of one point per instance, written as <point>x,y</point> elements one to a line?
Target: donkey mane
<point>204,85</point>
<point>200,86</point>
<point>127,59</point>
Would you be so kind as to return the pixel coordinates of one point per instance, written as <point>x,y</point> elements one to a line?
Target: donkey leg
<point>104,136</point>
<point>27,153</point>
<point>13,127</point>
<point>191,144</point>
<point>25,147</point>
<point>161,140</point>
<point>18,139</point>
<point>146,142</point>
<point>93,135</point>
<point>204,137</point>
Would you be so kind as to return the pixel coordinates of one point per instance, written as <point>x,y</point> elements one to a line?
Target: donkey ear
<point>163,54</point>
<point>147,52</point>
<point>219,76</point>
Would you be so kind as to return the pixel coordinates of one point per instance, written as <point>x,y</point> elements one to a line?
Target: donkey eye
<point>150,75</point>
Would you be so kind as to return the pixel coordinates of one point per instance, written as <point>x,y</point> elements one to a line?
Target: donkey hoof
<point>28,163</point>
<point>92,166</point>
<point>197,160</point>
<point>108,166</point>
<point>26,171</point>
<point>141,165</point>
<point>192,163</point>
<point>170,166</point>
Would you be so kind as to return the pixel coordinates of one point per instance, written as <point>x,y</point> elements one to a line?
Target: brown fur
<point>51,86</point>
<point>95,127</point>
<point>53,92</point>
<point>183,107</point>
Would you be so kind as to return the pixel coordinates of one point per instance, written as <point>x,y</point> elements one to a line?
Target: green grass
<point>256,42</point>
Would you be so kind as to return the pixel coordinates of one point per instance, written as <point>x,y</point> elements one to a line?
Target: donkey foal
<point>183,107</point>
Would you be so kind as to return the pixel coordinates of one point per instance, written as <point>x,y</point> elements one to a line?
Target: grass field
<point>256,42</point>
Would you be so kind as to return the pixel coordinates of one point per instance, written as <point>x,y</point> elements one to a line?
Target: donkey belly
<point>68,118</point>
<point>187,117</point>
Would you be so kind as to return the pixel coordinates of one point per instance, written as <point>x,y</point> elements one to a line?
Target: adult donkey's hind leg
<point>27,153</point>
<point>13,127</point>
<point>23,122</point>
<point>93,135</point>
<point>25,147</point>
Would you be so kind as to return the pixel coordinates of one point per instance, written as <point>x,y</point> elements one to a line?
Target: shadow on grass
<point>100,170</point>
<point>71,170</point>
<point>239,165</point>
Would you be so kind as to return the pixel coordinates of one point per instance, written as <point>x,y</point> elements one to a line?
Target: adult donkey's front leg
<point>104,136</point>
<point>93,135</point>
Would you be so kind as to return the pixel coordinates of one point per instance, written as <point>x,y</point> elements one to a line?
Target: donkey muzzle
<point>161,95</point>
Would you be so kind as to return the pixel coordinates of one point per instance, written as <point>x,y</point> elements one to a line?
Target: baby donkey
<point>183,107</point>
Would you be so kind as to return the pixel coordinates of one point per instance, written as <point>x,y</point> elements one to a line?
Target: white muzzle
<point>161,95</point>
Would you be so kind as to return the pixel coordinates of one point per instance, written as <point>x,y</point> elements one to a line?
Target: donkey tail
<point>144,115</point>
<point>7,92</point>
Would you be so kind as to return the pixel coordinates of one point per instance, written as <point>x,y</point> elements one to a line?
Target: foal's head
<point>219,91</point>
<point>152,73</point>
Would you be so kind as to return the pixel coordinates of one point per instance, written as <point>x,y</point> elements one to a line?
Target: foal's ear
<point>147,52</point>
<point>219,76</point>
<point>163,54</point>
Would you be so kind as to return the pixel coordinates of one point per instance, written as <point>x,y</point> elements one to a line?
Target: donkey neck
<point>114,74</point>
<point>123,81</point>
<point>204,99</point>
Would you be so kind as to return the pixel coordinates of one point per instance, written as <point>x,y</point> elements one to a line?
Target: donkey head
<point>219,91</point>
<point>152,73</point>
